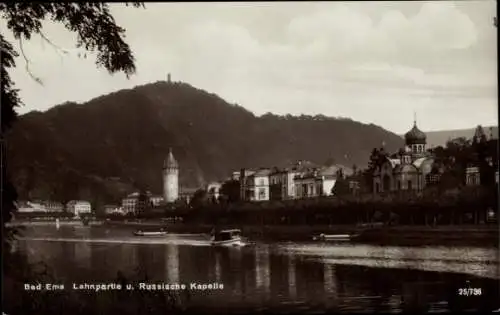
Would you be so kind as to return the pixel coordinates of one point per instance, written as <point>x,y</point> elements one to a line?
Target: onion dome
<point>415,136</point>
<point>170,161</point>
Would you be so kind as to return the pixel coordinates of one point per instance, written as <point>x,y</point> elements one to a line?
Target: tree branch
<point>27,66</point>
<point>57,48</point>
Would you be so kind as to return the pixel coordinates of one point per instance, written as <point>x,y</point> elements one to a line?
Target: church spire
<point>414,118</point>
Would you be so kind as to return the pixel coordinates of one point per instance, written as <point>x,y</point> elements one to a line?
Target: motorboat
<point>228,238</point>
<point>333,237</point>
<point>161,232</point>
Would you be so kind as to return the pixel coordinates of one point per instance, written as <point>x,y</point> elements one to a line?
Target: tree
<point>231,191</point>
<point>96,32</point>
<point>341,188</point>
<point>374,159</point>
<point>200,198</point>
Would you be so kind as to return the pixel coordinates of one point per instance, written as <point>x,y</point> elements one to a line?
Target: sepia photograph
<point>249,157</point>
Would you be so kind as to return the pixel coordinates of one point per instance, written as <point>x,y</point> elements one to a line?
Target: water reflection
<point>330,285</point>
<point>345,278</point>
<point>262,271</point>
<point>292,288</point>
<point>218,267</point>
<point>83,254</point>
<point>172,265</point>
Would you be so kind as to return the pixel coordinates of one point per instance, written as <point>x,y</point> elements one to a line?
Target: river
<point>300,276</point>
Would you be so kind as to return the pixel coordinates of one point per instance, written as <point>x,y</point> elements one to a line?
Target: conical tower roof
<point>170,161</point>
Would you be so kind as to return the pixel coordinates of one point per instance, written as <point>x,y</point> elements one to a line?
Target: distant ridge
<point>439,138</point>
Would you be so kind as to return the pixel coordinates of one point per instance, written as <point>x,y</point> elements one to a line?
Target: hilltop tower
<point>170,178</point>
<point>169,78</point>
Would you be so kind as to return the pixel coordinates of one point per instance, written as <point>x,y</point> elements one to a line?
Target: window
<point>399,185</point>
<point>419,148</point>
<point>262,194</point>
<point>261,182</point>
<point>377,187</point>
<point>410,185</point>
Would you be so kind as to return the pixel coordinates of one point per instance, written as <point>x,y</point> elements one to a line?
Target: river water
<point>305,276</point>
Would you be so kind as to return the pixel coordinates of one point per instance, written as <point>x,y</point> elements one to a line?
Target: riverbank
<point>51,223</point>
<point>487,235</point>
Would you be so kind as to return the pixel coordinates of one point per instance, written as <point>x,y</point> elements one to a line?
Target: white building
<point>111,209</point>
<point>472,176</point>
<point>213,190</point>
<point>129,203</point>
<point>156,200</point>
<point>28,206</point>
<point>41,206</point>
<point>254,185</point>
<point>78,207</point>
<point>318,182</point>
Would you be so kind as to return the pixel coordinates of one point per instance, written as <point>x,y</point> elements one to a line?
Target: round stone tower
<point>170,178</point>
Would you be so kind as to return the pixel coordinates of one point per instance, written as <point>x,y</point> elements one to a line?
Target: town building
<point>111,209</point>
<point>282,183</point>
<point>408,169</point>
<point>483,165</point>
<point>186,194</point>
<point>135,204</point>
<point>318,182</point>
<point>472,176</point>
<point>130,203</point>
<point>28,206</point>
<point>54,206</point>
<point>254,185</point>
<point>235,175</point>
<point>156,200</point>
<point>213,191</point>
<point>170,178</point>
<point>78,207</point>
<point>40,206</point>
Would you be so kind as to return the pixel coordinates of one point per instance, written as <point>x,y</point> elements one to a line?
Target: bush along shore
<point>467,216</point>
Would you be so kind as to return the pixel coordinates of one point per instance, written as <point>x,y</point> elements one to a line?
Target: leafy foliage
<point>97,32</point>
<point>231,191</point>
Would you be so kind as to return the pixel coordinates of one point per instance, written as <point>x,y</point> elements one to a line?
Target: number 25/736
<point>469,291</point>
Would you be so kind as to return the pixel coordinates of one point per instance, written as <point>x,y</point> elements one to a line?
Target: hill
<point>439,138</point>
<point>116,143</point>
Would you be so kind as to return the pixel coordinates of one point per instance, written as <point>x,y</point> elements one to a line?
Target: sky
<point>374,62</point>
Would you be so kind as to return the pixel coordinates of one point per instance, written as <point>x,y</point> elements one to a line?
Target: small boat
<point>161,232</point>
<point>333,237</point>
<point>228,238</point>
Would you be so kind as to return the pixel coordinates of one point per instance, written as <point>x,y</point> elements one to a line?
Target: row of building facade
<point>411,168</point>
<point>75,207</point>
<point>302,180</point>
